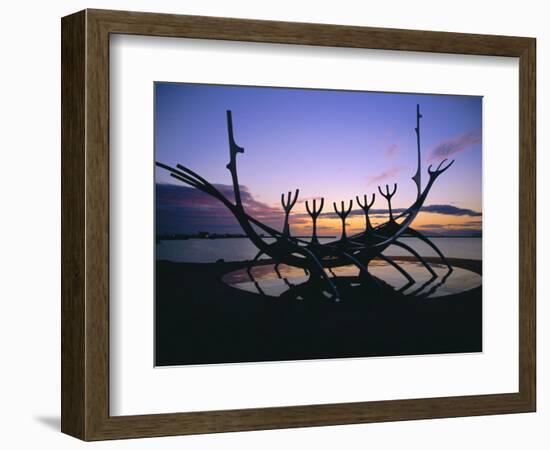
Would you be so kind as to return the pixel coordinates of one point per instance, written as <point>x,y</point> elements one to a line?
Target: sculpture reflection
<point>286,282</point>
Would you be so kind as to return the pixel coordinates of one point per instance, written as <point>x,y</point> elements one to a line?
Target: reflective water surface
<point>274,281</point>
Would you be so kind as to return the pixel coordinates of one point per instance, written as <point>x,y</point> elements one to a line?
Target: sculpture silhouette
<point>316,258</point>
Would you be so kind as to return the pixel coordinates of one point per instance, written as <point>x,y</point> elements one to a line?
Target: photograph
<point>296,224</point>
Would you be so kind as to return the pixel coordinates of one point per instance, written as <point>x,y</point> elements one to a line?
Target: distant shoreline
<point>214,237</point>
<point>185,238</point>
<point>450,237</point>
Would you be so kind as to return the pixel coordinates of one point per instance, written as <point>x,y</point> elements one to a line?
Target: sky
<point>327,143</point>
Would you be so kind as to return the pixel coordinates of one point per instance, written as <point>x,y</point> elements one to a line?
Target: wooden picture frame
<point>85,224</point>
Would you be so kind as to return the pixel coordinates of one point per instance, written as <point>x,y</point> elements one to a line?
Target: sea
<point>241,249</point>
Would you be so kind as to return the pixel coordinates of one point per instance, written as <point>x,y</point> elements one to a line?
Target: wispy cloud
<point>457,144</point>
<point>432,226</point>
<point>382,176</point>
<point>392,150</point>
<point>448,210</point>
<point>308,199</point>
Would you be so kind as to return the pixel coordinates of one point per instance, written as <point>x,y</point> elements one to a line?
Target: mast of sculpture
<point>232,165</point>
<point>416,177</point>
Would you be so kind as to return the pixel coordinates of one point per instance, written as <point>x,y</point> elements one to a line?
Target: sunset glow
<point>331,144</point>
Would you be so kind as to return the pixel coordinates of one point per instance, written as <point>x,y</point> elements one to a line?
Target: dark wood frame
<point>85,224</point>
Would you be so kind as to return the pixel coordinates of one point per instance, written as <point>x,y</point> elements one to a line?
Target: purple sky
<point>332,144</point>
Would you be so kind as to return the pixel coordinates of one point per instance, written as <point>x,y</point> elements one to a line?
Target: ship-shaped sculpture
<point>314,257</point>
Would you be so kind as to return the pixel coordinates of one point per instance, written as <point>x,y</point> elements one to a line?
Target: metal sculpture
<point>314,257</point>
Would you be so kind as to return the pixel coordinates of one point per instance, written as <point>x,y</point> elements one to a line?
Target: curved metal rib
<point>413,252</point>
<point>396,266</point>
<point>419,235</point>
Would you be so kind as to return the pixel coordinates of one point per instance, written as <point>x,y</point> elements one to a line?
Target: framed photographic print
<point>270,224</point>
